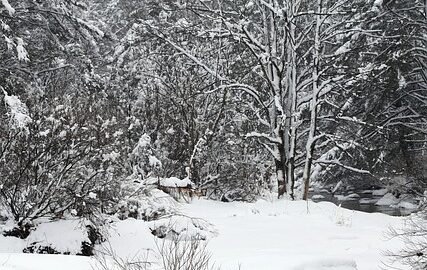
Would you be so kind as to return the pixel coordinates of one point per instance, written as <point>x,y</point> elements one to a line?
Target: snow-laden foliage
<point>18,112</point>
<point>143,202</point>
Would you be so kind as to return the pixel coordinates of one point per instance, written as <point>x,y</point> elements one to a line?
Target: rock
<point>380,192</point>
<point>387,200</point>
<point>367,201</point>
<point>353,196</point>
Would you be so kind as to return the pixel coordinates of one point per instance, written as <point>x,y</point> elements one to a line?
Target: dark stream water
<point>367,205</point>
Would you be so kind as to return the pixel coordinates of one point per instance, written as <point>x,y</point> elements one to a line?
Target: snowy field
<point>279,235</point>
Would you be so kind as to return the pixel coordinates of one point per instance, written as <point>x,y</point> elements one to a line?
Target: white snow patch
<point>92,195</point>
<point>19,118</point>
<point>21,51</point>
<point>405,205</point>
<point>380,192</point>
<point>329,264</point>
<point>388,199</point>
<point>367,201</point>
<point>154,162</point>
<point>266,240</point>
<point>8,7</point>
<point>62,235</point>
<point>350,197</point>
<point>175,182</point>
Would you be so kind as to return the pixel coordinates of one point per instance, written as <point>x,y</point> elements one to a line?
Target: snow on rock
<point>367,201</point>
<point>317,197</point>
<point>405,205</point>
<point>388,199</point>
<point>175,182</point>
<point>380,192</point>
<point>353,196</point>
<point>349,197</point>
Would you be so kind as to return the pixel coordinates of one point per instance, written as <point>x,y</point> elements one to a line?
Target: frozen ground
<point>261,236</point>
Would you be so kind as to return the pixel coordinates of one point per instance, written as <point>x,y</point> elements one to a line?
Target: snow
<point>405,205</point>
<point>318,197</point>
<point>8,7</point>
<point>154,162</point>
<point>378,3</point>
<point>388,199</point>
<point>280,234</point>
<point>9,42</point>
<point>284,236</point>
<point>337,264</point>
<point>91,27</point>
<point>53,234</point>
<point>19,118</point>
<point>15,261</point>
<point>92,195</point>
<point>380,192</point>
<point>175,182</point>
<point>21,51</point>
<point>350,197</point>
<point>367,201</point>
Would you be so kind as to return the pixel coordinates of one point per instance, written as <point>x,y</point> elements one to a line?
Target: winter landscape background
<point>213,134</point>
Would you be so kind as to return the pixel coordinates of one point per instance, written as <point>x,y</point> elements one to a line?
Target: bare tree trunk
<point>311,140</point>
<point>292,88</point>
<point>280,163</point>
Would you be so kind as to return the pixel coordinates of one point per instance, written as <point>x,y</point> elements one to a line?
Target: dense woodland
<point>241,97</point>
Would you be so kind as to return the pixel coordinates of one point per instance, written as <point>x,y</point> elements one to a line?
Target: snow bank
<point>277,235</point>
<point>331,264</point>
<point>16,261</point>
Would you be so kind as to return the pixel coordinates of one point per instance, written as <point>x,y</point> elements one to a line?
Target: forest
<point>152,111</point>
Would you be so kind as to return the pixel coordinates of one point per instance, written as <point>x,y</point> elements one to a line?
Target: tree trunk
<point>280,163</point>
<point>311,140</point>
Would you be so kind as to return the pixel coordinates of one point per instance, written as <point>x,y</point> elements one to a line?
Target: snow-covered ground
<point>279,235</point>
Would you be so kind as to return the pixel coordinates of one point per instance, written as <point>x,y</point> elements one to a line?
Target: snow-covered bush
<point>183,228</point>
<point>143,201</point>
<point>414,236</point>
<point>142,159</point>
<point>185,255</point>
<point>56,167</point>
